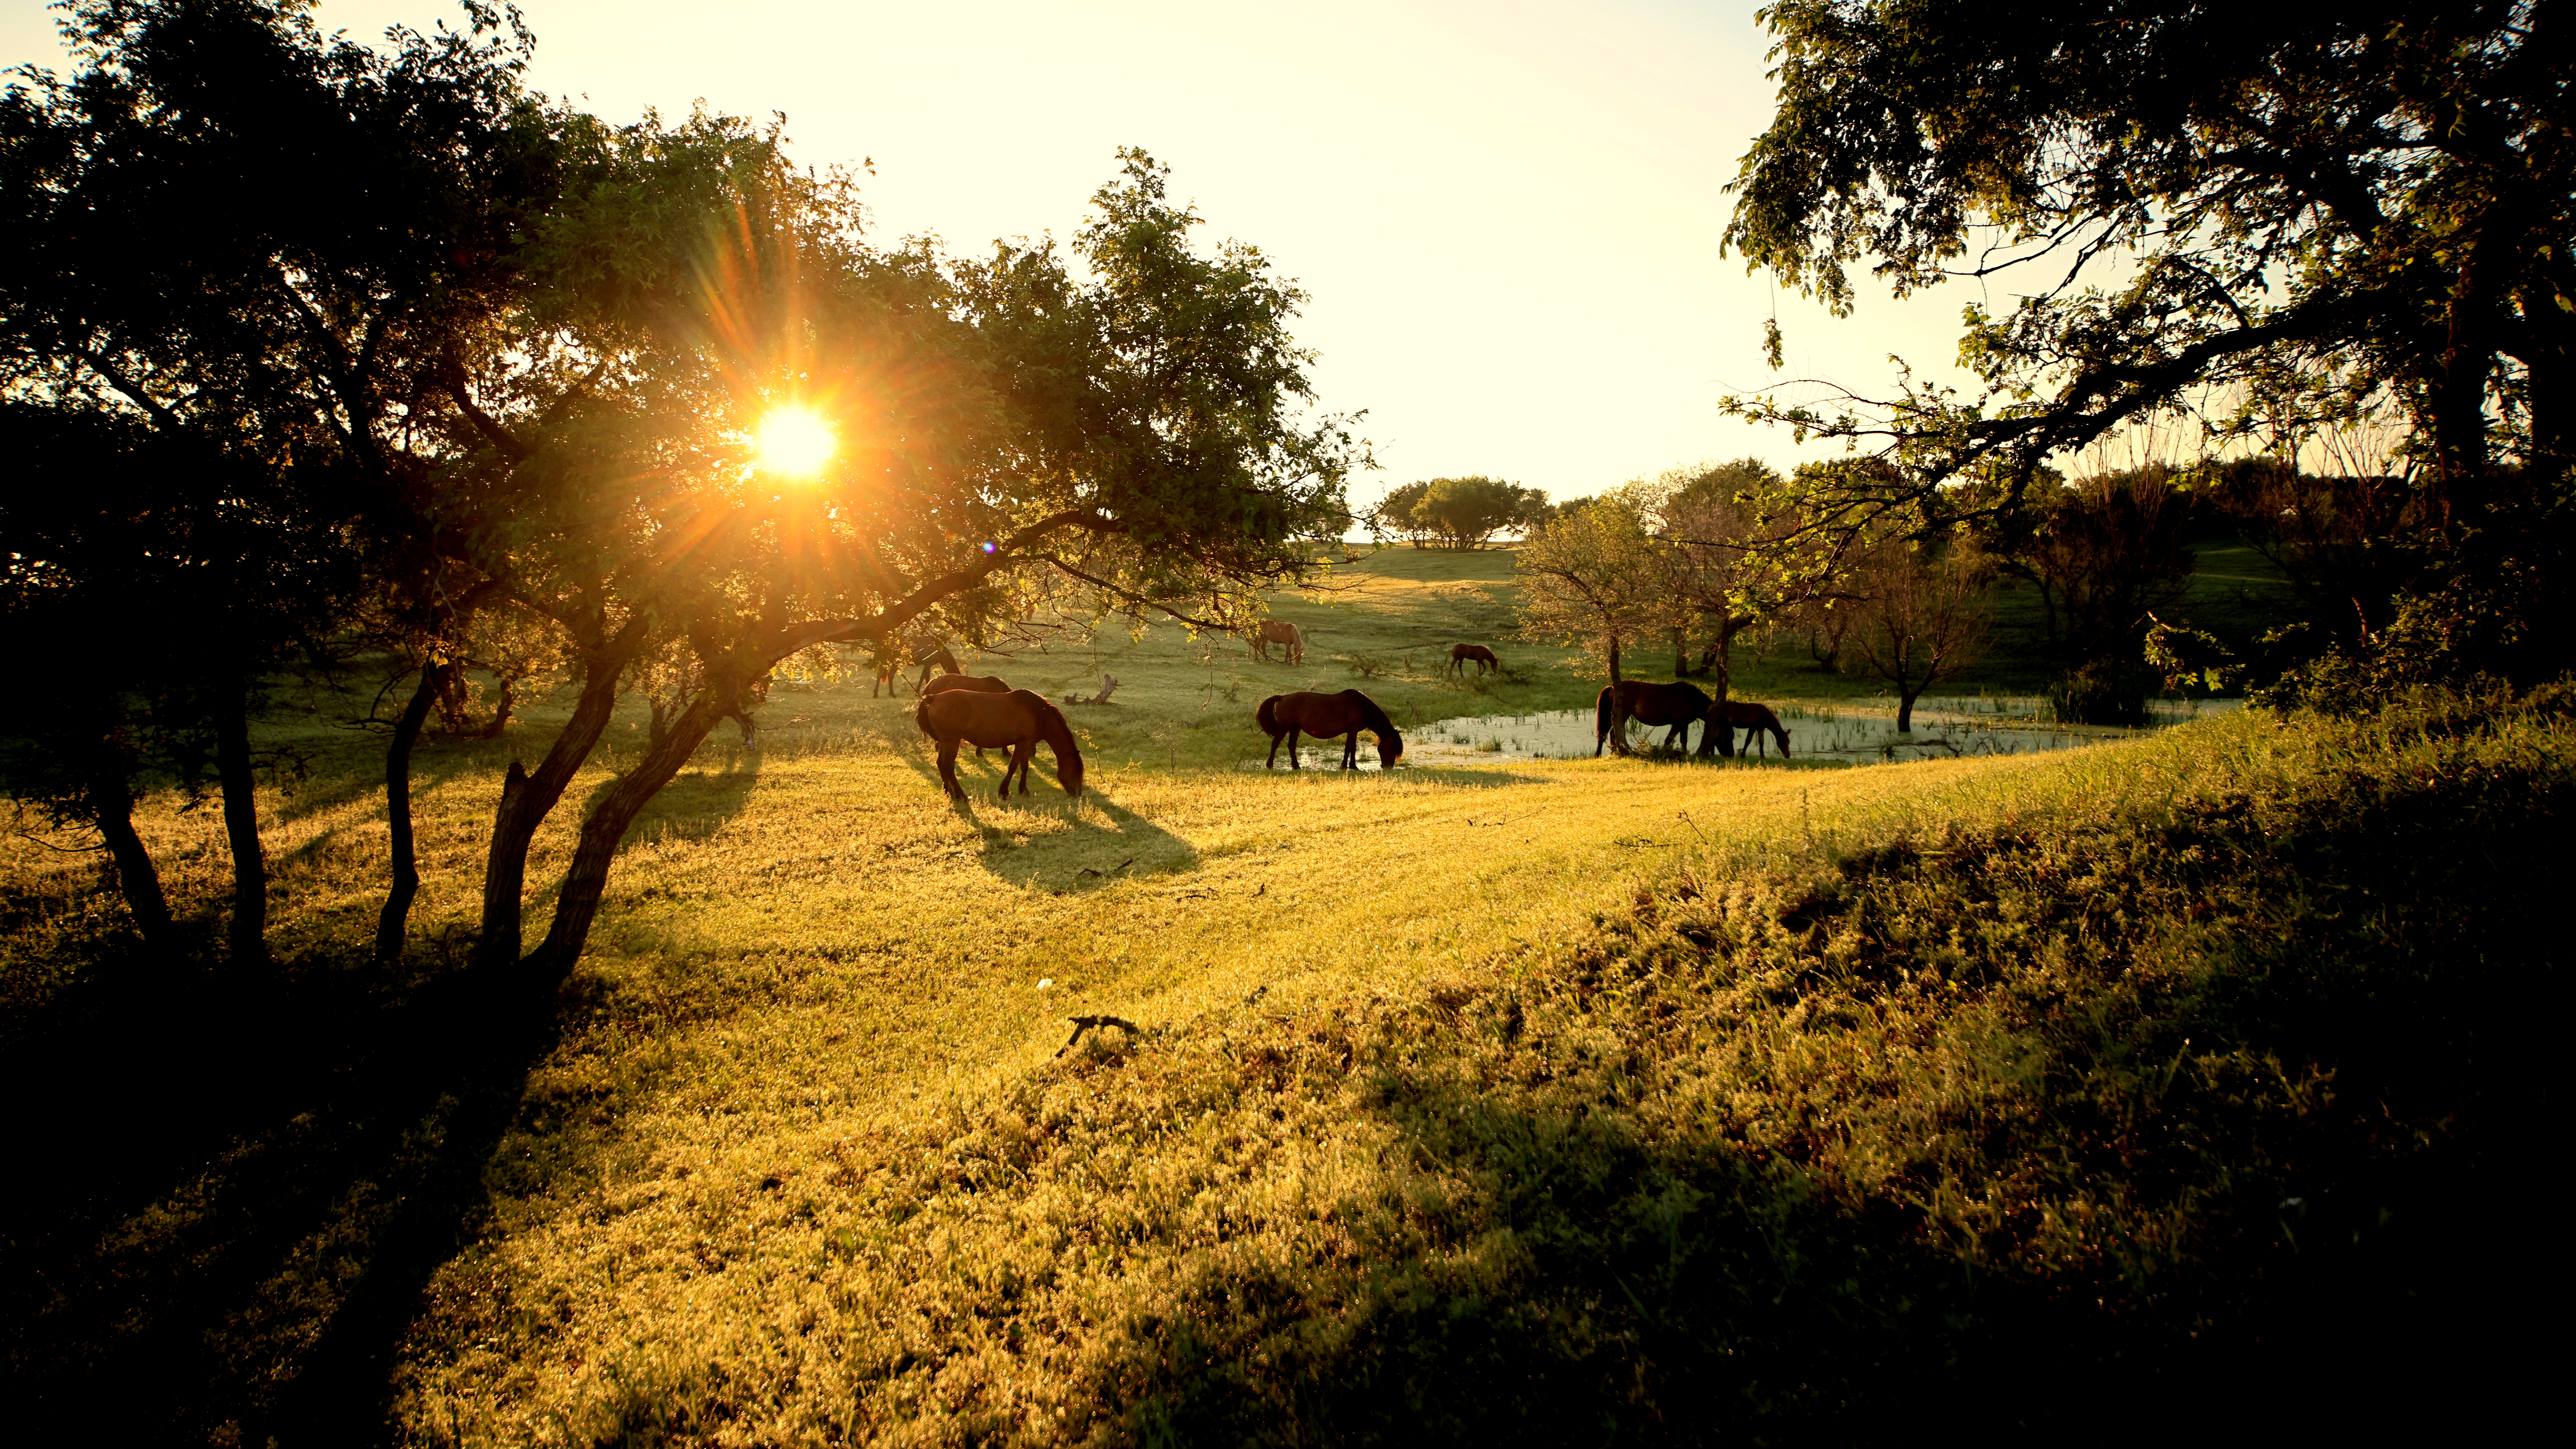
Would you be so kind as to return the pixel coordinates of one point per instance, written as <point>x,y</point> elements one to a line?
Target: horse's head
<point>1059,737</point>
<point>1784,742</point>
<point>1390,748</point>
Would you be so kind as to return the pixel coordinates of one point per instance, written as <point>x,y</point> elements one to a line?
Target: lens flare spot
<point>795,442</point>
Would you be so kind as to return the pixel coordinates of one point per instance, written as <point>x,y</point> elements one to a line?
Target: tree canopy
<point>1462,513</point>
<point>2272,220</point>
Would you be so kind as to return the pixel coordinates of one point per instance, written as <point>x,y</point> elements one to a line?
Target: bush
<point>2099,694</point>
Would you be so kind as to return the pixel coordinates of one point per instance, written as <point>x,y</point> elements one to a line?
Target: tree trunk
<point>604,829</point>
<point>1681,652</point>
<point>1618,704</point>
<point>1717,737</point>
<point>509,691</point>
<point>526,798</point>
<point>249,940</point>
<point>406,868</point>
<point>1905,707</point>
<point>111,804</point>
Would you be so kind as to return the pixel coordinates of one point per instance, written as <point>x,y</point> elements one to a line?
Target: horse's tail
<point>921,713</point>
<point>1602,709</point>
<point>1375,719</point>
<point>1268,716</point>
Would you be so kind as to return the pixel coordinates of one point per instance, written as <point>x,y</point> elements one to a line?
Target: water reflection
<point>1861,732</point>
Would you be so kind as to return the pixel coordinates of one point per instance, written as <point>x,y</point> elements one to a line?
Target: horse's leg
<point>1273,762</point>
<point>948,769</point>
<point>1351,749</point>
<point>1021,758</point>
<point>1292,748</point>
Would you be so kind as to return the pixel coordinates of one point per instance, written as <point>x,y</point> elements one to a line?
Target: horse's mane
<point>1058,733</point>
<point>1375,718</point>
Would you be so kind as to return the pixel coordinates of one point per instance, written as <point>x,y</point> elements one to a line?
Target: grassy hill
<point>1591,1095</point>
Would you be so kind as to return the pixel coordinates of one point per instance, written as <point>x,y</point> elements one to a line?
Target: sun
<point>795,442</point>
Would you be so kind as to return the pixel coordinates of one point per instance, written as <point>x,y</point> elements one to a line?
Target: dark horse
<point>1459,654</point>
<point>1754,720</point>
<point>1283,716</point>
<point>1017,720</point>
<point>1676,705</point>
<point>922,649</point>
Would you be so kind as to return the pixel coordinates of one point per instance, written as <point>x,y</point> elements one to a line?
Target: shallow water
<point>1861,732</point>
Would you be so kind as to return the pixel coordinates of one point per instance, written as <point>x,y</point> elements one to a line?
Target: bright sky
<point>1507,213</point>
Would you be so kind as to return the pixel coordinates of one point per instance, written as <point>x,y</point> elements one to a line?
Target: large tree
<point>2271,220</point>
<point>238,243</point>
<point>514,359</point>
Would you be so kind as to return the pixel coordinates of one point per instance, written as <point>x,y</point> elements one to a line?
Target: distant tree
<point>1922,618</point>
<point>1465,513</point>
<point>1597,579</point>
<point>1712,516</point>
<point>2105,553</point>
<point>2320,213</point>
<point>1395,513</point>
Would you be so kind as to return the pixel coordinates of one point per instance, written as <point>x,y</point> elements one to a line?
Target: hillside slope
<point>2150,1074</point>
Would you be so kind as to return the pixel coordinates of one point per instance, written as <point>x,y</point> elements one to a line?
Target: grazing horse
<point>1676,705</point>
<point>1279,631</point>
<point>1459,654</point>
<point>1754,720</point>
<point>922,649</point>
<point>980,683</point>
<point>1017,720</point>
<point>1282,716</point>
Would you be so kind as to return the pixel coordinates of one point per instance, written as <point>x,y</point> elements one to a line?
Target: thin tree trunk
<point>1717,737</point>
<point>249,939</point>
<point>111,803</point>
<point>526,798</point>
<point>1618,704</point>
<point>604,829</point>
<point>1905,707</point>
<point>406,868</point>
<point>509,699</point>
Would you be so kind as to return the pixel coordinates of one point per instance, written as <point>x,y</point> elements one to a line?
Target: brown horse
<point>1279,631</point>
<point>922,649</point>
<point>980,683</point>
<point>1676,705</point>
<point>1459,654</point>
<point>1017,720</point>
<point>1283,716</point>
<point>1755,719</point>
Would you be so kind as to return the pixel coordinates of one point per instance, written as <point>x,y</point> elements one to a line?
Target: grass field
<point>1634,1095</point>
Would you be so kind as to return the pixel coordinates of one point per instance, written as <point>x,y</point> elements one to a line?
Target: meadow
<point>1619,1098</point>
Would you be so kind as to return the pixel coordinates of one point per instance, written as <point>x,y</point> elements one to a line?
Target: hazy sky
<point>1507,214</point>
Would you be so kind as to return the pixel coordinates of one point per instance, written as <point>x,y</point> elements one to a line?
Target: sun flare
<point>795,442</point>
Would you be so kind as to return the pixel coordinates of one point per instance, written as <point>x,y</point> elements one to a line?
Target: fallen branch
<point>1109,686</point>
<point>1113,870</point>
<point>1082,1024</point>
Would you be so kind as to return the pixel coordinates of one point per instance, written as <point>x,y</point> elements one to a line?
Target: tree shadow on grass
<point>1601,1288</point>
<point>698,803</point>
<point>231,1198</point>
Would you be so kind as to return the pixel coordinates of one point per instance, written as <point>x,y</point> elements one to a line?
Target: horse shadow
<point>1084,858</point>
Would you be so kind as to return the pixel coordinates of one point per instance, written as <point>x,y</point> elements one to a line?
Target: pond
<point>1861,732</point>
